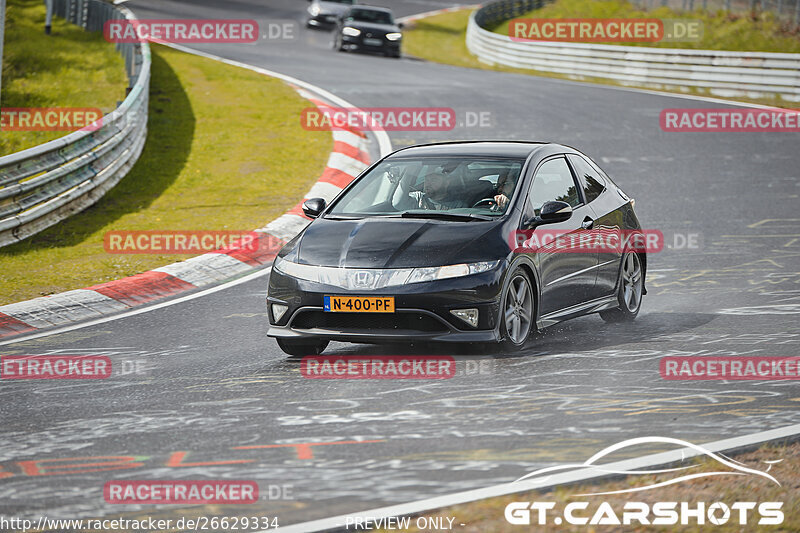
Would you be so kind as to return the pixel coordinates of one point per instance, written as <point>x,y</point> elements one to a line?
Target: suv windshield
<point>466,186</point>
<point>370,15</point>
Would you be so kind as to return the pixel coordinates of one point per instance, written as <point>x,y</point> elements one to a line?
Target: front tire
<point>301,348</point>
<point>517,310</point>
<point>630,292</point>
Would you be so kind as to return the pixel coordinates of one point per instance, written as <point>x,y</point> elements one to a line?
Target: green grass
<point>70,68</point>
<point>225,150</point>
<point>442,39</point>
<point>722,31</point>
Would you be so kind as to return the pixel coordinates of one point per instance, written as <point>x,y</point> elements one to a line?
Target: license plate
<point>373,42</point>
<point>359,304</point>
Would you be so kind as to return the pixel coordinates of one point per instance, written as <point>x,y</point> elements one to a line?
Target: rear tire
<point>517,311</point>
<point>301,348</point>
<point>630,292</point>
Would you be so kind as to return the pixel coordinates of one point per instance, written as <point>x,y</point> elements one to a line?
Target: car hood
<point>398,243</point>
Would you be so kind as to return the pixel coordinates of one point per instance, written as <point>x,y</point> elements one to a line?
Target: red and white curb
<point>349,158</point>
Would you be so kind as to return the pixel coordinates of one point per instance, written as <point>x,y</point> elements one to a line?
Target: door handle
<point>588,223</point>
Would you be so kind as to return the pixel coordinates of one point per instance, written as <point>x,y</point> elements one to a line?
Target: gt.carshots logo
<point>603,513</point>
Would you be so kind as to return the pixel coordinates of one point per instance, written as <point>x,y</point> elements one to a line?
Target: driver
<point>501,198</point>
<point>435,194</point>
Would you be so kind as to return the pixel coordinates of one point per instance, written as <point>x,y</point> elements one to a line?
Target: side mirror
<point>551,213</point>
<point>401,25</point>
<point>313,207</point>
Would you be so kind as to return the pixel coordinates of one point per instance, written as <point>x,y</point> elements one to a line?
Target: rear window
<point>592,181</point>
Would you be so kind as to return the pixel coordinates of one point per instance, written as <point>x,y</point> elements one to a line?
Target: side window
<point>553,181</point>
<point>593,183</point>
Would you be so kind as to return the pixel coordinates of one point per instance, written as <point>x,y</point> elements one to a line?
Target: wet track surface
<point>210,397</point>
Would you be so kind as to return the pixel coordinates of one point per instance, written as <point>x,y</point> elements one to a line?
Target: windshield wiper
<point>444,215</point>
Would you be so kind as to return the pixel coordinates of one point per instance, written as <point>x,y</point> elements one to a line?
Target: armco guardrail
<point>45,184</point>
<point>722,73</point>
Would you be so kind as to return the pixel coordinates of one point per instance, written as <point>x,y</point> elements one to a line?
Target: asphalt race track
<point>209,396</point>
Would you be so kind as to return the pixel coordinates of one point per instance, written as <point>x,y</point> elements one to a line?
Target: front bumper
<point>422,310</point>
<point>358,43</point>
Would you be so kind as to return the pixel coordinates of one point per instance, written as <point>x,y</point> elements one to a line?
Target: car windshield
<point>469,187</point>
<point>370,15</point>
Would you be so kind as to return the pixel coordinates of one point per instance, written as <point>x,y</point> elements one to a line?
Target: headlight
<point>378,278</point>
<point>314,10</point>
<point>394,36</point>
<point>351,32</point>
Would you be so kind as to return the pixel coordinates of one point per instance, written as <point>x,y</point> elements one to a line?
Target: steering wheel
<point>488,201</point>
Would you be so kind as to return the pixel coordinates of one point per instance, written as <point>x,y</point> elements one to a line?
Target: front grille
<point>367,322</point>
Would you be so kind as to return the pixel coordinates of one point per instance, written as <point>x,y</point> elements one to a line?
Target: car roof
<point>519,149</point>
<point>371,8</point>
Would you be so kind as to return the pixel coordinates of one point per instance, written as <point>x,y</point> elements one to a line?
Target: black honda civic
<point>464,241</point>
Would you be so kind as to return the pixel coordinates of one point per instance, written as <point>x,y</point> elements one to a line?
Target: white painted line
<point>285,227</point>
<point>139,311</point>
<point>204,269</point>
<point>639,463</point>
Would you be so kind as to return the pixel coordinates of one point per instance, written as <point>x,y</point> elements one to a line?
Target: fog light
<point>278,310</point>
<point>470,316</point>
